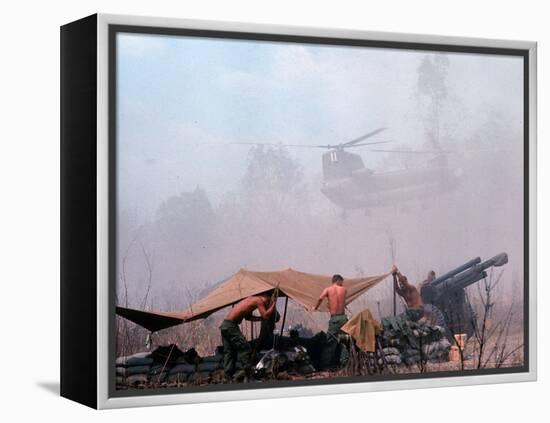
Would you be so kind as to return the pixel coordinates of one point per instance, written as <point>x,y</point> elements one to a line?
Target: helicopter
<point>350,185</point>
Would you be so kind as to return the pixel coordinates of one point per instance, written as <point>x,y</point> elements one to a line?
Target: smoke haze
<point>193,207</point>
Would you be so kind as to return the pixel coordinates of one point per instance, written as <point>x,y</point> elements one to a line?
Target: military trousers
<point>335,353</point>
<point>236,349</point>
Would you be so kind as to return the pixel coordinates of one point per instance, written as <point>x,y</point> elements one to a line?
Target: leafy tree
<point>186,222</point>
<point>273,181</point>
<point>431,83</point>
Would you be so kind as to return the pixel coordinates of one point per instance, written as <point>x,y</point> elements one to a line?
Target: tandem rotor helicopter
<point>350,185</point>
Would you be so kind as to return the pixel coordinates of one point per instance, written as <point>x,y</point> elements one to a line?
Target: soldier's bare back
<point>336,298</point>
<point>245,308</point>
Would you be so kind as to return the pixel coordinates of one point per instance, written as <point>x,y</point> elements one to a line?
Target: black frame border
<point>78,211</point>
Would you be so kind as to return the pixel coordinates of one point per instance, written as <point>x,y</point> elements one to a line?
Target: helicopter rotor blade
<point>287,145</point>
<point>256,143</point>
<point>310,146</point>
<point>410,151</point>
<point>367,143</point>
<point>361,138</point>
<point>352,143</point>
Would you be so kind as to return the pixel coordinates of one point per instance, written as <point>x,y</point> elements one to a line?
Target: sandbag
<point>177,377</point>
<point>158,378</point>
<point>415,341</point>
<point>136,379</point>
<point>410,352</point>
<point>411,360</point>
<point>390,351</point>
<point>199,377</point>
<point>212,359</point>
<point>437,350</point>
<point>209,366</point>
<point>139,359</point>
<point>182,368</point>
<point>181,360</point>
<point>392,359</point>
<point>158,369</point>
<point>134,370</point>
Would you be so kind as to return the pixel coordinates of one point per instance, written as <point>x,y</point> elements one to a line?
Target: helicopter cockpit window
<point>333,157</point>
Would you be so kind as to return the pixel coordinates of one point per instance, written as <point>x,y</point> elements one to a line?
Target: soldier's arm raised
<point>403,281</point>
<point>321,297</point>
<point>398,288</point>
<point>266,313</point>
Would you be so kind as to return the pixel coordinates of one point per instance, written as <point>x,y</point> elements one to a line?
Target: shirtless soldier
<point>415,306</point>
<point>336,297</point>
<point>236,349</point>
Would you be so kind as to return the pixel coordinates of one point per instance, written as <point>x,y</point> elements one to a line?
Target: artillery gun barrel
<point>468,277</point>
<point>464,283</point>
<point>497,261</point>
<point>459,282</point>
<point>456,271</point>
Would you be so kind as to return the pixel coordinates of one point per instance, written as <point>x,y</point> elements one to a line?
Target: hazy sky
<point>183,100</point>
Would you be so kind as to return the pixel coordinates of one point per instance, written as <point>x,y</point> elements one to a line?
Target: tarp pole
<point>284,317</point>
<point>394,296</point>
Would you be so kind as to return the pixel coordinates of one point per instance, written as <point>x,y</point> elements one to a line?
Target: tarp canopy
<point>303,288</point>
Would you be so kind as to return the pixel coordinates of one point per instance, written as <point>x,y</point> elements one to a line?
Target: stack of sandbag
<point>180,373</point>
<point>146,368</point>
<point>158,373</point>
<point>437,350</point>
<point>415,341</point>
<point>167,366</point>
<point>209,365</point>
<point>165,357</point>
<point>205,370</point>
<point>392,355</point>
<point>210,369</point>
<point>133,371</point>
